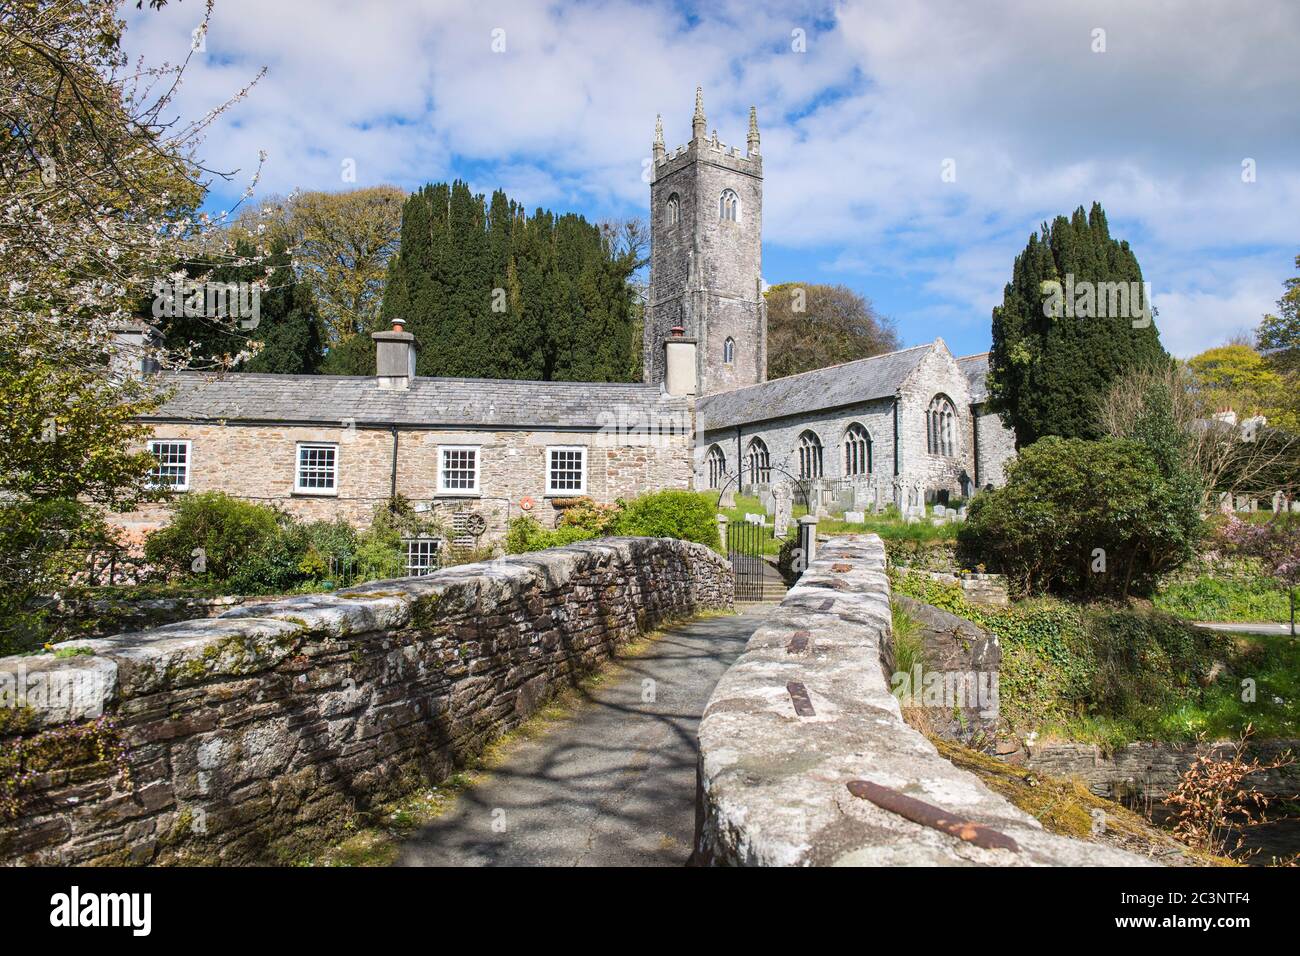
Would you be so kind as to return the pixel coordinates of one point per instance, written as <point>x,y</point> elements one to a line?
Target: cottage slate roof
<point>877,377</point>
<point>976,368</point>
<point>429,402</point>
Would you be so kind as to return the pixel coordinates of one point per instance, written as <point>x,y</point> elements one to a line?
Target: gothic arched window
<point>758,463</point>
<point>729,206</point>
<point>857,451</point>
<point>941,427</point>
<point>729,350</point>
<point>810,456</point>
<point>672,210</point>
<point>717,464</point>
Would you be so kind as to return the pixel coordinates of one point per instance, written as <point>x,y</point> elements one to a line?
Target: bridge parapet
<point>805,758</point>
<point>259,735</point>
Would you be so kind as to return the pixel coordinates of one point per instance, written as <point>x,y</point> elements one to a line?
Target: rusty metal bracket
<point>926,814</point>
<point>799,697</point>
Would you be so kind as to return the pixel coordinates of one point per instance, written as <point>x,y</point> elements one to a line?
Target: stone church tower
<point>706,256</point>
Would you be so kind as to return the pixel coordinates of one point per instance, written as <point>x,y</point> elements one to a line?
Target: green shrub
<point>526,534</point>
<point>686,515</point>
<point>1065,499</point>
<point>228,530</point>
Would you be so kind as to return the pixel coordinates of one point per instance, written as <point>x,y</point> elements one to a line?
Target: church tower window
<point>729,350</point>
<point>810,456</point>
<point>729,206</point>
<point>672,210</point>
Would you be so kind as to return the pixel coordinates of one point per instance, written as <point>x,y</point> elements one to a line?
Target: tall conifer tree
<point>1059,339</point>
<point>564,309</point>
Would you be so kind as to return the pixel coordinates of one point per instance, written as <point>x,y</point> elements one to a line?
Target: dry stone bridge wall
<point>255,736</point>
<point>805,758</point>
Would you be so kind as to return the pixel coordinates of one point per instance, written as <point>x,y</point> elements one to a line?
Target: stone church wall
<point>937,374</point>
<point>997,446</point>
<point>257,736</point>
<point>782,439</point>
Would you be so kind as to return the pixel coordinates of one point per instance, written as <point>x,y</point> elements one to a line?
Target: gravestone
<point>855,517</point>
<point>783,509</point>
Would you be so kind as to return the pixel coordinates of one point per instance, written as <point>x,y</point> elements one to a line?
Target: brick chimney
<point>395,357</point>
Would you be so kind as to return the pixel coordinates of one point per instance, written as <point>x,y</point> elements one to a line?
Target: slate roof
<point>976,368</point>
<point>831,387</point>
<point>429,402</point>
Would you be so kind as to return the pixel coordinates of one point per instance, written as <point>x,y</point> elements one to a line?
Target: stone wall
<point>256,736</point>
<point>782,439</point>
<point>258,462</point>
<point>995,446</point>
<point>804,721</point>
<point>1153,769</point>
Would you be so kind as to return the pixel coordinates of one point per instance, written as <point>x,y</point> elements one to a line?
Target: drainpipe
<point>975,426</point>
<point>895,436</point>
<point>392,482</point>
<point>740,466</point>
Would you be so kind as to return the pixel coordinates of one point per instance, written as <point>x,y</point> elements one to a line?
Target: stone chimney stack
<point>395,357</point>
<point>681,376</point>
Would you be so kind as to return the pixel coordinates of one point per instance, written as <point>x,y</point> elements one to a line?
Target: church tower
<point>706,256</point>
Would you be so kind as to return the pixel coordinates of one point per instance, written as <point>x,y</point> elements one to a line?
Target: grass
<point>1240,600</point>
<point>898,535</point>
<point>1265,671</point>
<point>909,646</point>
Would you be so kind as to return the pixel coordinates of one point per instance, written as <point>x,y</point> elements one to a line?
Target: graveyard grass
<point>889,524</point>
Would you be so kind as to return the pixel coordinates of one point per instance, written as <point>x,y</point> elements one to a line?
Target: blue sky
<point>860,105</point>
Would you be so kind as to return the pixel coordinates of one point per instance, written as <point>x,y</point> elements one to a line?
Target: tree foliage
<point>1279,335</point>
<point>1083,517</point>
<point>341,245</point>
<point>1046,372</point>
<point>287,337</point>
<point>491,292</point>
<point>811,326</point>
<point>1239,378</point>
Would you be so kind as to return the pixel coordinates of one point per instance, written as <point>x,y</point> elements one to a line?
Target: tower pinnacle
<point>659,138</point>
<point>698,123</point>
<point>752,142</point>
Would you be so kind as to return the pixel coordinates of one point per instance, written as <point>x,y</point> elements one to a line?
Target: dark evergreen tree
<point>288,327</point>
<point>492,293</point>
<point>1057,348</point>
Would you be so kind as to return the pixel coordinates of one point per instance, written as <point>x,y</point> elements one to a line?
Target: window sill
<point>313,493</point>
<point>458,494</point>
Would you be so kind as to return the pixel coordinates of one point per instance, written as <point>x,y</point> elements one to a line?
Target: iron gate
<point>745,551</point>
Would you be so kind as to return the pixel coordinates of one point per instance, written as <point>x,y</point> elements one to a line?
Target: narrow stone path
<point>613,785</point>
